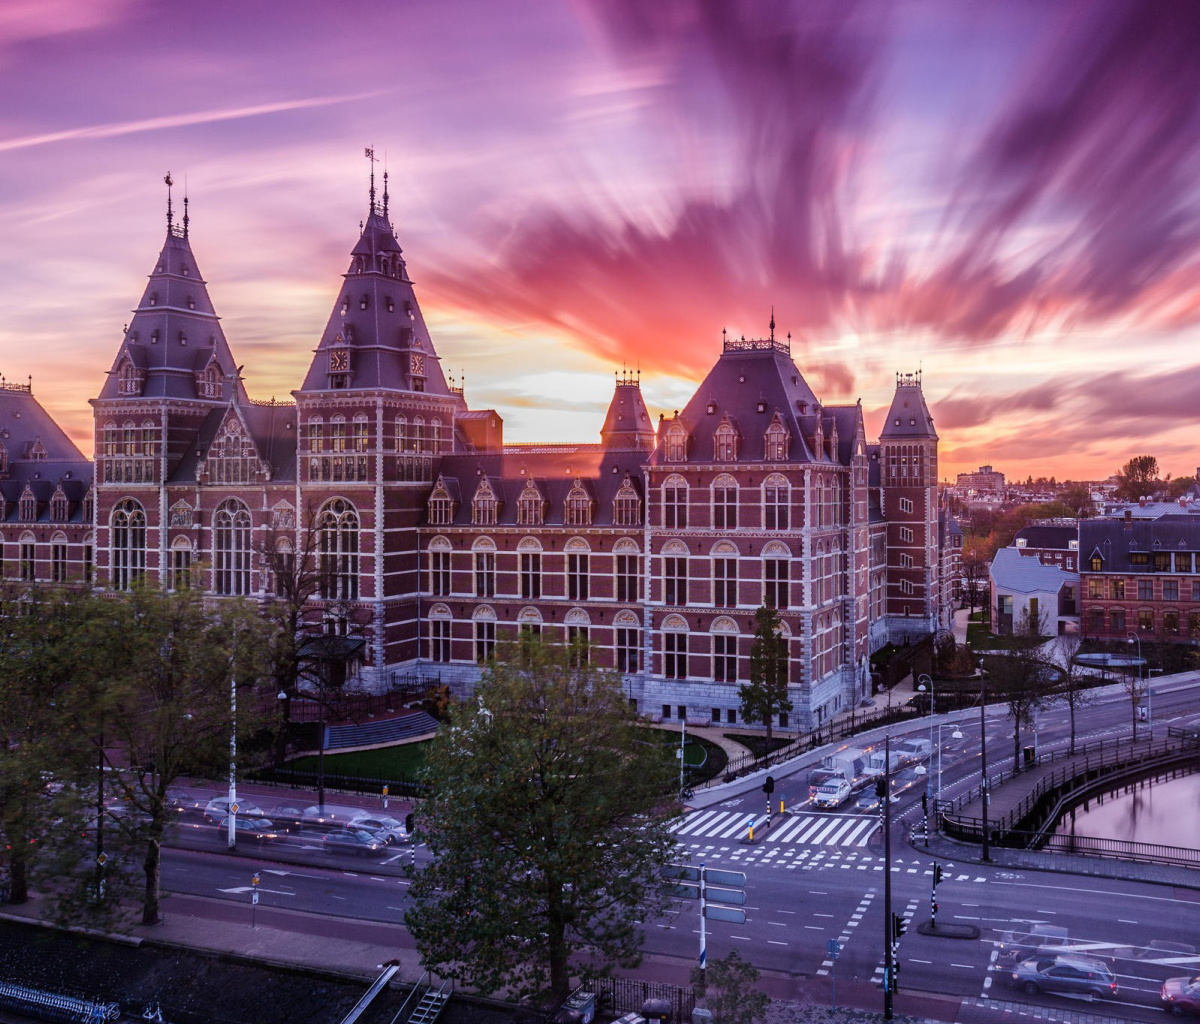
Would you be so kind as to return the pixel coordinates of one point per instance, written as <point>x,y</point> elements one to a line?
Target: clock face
<point>339,359</point>
<point>417,363</point>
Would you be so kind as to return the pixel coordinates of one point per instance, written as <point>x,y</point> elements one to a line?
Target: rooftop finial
<point>185,213</point>
<point>772,323</point>
<point>385,196</point>
<point>369,153</point>
<point>169,183</point>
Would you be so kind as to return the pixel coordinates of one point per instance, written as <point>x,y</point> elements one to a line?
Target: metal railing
<point>628,995</point>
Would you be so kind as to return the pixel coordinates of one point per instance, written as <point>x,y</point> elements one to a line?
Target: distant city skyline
<point>1002,195</point>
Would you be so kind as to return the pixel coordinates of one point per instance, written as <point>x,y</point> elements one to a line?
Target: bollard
<point>752,831</point>
<point>781,805</point>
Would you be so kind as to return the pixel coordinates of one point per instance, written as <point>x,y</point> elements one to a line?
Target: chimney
<point>1128,519</point>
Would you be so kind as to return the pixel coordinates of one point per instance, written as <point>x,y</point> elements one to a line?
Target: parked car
<point>353,841</point>
<point>1181,995</point>
<point>1069,975</point>
<point>218,808</point>
<point>1040,940</point>
<point>388,829</point>
<point>259,829</point>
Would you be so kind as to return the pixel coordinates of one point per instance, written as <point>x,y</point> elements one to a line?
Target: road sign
<point>715,913</point>
<point>684,892</point>
<point>254,897</point>
<point>833,949</point>
<point>686,872</point>
<point>102,859</point>
<point>233,808</point>
<point>715,877</point>
<point>724,895</point>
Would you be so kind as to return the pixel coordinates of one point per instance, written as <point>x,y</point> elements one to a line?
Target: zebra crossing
<point>798,830</point>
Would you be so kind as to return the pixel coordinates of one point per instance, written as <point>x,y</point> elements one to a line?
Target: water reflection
<point>1147,812</point>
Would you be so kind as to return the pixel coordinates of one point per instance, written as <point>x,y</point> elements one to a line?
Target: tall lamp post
<point>922,680</point>
<point>984,788</point>
<point>1134,638</point>
<point>231,818</point>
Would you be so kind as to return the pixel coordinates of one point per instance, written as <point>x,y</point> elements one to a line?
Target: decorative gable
<point>484,506</point>
<point>27,506</point>
<point>181,515</point>
<point>232,457</point>
<point>627,505</point>
<point>36,451</point>
<point>441,505</point>
<point>577,510</point>
<point>130,379</point>
<point>675,447</point>
<point>59,506</point>
<point>776,440</point>
<point>531,506</point>
<point>208,380</point>
<point>725,442</point>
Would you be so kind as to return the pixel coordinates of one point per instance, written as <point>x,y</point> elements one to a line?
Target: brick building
<point>1054,543</point>
<point>434,539</point>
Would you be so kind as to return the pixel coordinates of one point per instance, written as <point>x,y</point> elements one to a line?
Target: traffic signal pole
<point>888,938</point>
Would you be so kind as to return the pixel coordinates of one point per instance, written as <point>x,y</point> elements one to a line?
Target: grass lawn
<point>397,763</point>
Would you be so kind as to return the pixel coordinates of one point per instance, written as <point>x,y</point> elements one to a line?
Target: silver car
<point>388,829</point>
<point>1069,975</point>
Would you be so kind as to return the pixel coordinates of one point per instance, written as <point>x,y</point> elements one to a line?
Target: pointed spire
<point>170,216</point>
<point>772,322</point>
<point>385,195</point>
<point>369,153</point>
<point>185,215</point>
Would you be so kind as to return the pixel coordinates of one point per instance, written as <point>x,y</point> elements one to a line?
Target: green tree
<point>728,986</point>
<point>166,707</point>
<point>547,823</point>
<point>766,695</point>
<point>1137,477</point>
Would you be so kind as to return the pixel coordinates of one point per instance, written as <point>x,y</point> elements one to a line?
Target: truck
<point>850,761</point>
<point>819,776</point>
<point>876,762</point>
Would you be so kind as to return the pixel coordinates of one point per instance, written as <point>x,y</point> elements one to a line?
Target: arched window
<point>441,505</point>
<point>27,506</point>
<point>338,551</point>
<point>402,442</point>
<point>419,441</point>
<point>484,505</point>
<point>58,557</point>
<point>127,540</point>
<point>724,650</point>
<point>28,551</point>
<point>180,569</point>
<point>578,508</point>
<point>725,575</point>
<point>530,506</point>
<point>675,647</point>
<point>675,503</point>
<point>231,548</point>
<point>435,434</point>
<point>627,506</point>
<point>725,503</point>
<point>58,506</point>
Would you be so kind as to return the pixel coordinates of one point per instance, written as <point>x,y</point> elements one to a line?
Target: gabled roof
<point>174,328</point>
<point>1055,537</point>
<point>1024,574</point>
<point>23,424</point>
<point>1115,540</point>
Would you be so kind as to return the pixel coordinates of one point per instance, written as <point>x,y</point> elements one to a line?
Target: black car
<point>352,841</point>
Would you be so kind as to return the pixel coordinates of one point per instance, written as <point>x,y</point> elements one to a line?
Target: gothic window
<point>131,439</point>
<point>676,443</point>
<point>402,444</point>
<point>180,569</point>
<point>337,435</point>
<point>232,457</point>
<point>208,383</point>
<point>530,506</point>
<point>359,437</point>
<point>725,503</point>
<point>776,441</point>
<point>484,505</point>
<point>58,507</point>
<point>316,437</point>
<point>628,641</point>
<point>419,440</point>
<point>578,510</point>
<point>776,499</point>
<point>435,434</point>
<point>231,548</point>
<point>724,443</point>
<point>675,503</point>
<point>128,544</point>
<point>338,549</point>
<point>27,506</point>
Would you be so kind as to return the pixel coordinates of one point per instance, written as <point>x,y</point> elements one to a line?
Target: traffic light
<point>769,786</point>
<point>408,823</point>
<point>924,803</point>
<point>881,787</point>
<point>937,875</point>
<point>899,925</point>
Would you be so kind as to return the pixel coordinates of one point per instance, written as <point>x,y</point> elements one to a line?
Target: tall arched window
<point>231,548</point>
<point>338,525</point>
<point>127,544</point>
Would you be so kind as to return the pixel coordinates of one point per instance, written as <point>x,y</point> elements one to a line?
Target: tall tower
<point>908,446</point>
<point>172,369</point>
<point>375,416</point>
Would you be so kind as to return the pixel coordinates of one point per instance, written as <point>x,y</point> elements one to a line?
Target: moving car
<point>353,841</point>
<point>1040,940</point>
<point>1181,995</point>
<point>218,807</point>
<point>831,794</point>
<point>1068,975</point>
<point>259,829</point>
<point>388,829</point>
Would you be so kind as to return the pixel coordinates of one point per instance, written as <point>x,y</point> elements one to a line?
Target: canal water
<point>1150,812</point>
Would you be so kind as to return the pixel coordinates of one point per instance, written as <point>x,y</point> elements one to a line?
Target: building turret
<point>628,424</point>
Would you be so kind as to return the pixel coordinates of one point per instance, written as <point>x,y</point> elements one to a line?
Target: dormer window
<point>208,383</point>
<point>725,443</point>
<point>484,505</point>
<point>627,506</point>
<point>154,298</point>
<point>129,379</point>
<point>27,506</point>
<point>408,308</point>
<point>530,506</point>
<point>712,408</point>
<point>154,337</point>
<point>58,507</point>
<point>182,338</point>
<point>37,451</point>
<point>191,303</point>
<point>762,406</point>
<point>441,506</point>
<point>775,442</point>
<point>1096,564</point>
<point>676,443</point>
<point>578,510</point>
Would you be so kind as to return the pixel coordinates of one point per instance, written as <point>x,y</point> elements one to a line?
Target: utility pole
<point>889,979</point>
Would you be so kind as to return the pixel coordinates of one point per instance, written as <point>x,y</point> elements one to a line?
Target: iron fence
<point>289,778</point>
<point>628,995</point>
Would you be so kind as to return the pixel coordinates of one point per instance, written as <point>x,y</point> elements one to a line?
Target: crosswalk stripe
<point>788,830</point>
<point>699,819</point>
<point>865,829</point>
<point>808,829</point>
<point>743,826</point>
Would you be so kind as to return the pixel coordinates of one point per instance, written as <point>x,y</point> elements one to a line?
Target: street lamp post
<point>1134,638</point>
<point>986,851</point>
<point>231,819</point>
<point>922,680</point>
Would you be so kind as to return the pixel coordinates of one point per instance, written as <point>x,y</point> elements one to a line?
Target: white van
<point>831,794</point>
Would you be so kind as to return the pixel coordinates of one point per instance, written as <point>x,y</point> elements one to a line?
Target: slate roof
<point>749,376</point>
<point>1150,510</point>
<point>555,468</point>
<point>908,415</point>
<point>376,317</point>
<point>23,423</point>
<point>1056,537</point>
<point>627,423</point>
<point>1024,574</point>
<point>272,426</point>
<point>1115,542</point>
<point>175,332</point>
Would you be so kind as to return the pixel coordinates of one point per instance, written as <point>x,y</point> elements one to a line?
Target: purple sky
<point>1003,194</point>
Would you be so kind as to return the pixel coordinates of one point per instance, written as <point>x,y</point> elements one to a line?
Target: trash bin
<point>582,1003</point>
<point>1030,757</point>
<point>657,1011</point>
<point>566,1015</point>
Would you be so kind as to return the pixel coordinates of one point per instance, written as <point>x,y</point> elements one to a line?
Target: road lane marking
<point>773,942</point>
